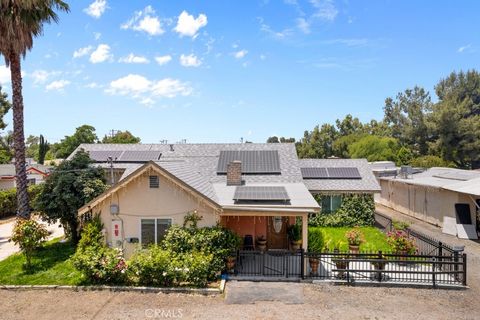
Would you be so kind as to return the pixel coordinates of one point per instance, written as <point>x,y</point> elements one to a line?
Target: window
<point>154,181</point>
<point>31,181</point>
<point>331,204</point>
<point>153,230</point>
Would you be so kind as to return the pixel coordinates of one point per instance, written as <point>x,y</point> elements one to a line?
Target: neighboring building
<point>36,174</point>
<point>252,189</point>
<point>432,195</point>
<point>332,178</point>
<point>384,168</point>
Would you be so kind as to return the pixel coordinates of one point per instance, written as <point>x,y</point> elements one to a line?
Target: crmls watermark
<point>164,313</point>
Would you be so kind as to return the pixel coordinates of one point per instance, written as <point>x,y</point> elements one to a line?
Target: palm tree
<point>20,22</point>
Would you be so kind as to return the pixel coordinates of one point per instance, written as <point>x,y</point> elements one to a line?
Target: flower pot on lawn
<point>355,249</point>
<point>314,263</point>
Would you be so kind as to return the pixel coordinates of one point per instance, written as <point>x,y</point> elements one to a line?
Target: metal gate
<point>272,263</point>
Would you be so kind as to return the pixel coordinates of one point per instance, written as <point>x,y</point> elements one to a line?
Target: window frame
<point>330,203</point>
<point>156,218</point>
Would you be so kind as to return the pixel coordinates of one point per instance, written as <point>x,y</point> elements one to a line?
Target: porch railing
<point>352,268</point>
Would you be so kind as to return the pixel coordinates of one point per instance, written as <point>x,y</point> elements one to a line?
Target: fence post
<point>302,263</point>
<point>379,274</point>
<point>455,265</point>
<point>464,261</point>
<point>286,262</point>
<point>433,273</point>
<point>440,254</point>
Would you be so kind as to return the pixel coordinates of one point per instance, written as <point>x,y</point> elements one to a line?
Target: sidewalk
<point>8,248</point>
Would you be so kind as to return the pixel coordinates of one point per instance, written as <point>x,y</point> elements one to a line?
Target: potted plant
<point>261,243</point>
<point>295,236</point>
<point>341,262</point>
<point>232,244</point>
<point>401,243</point>
<point>315,246</point>
<point>355,239</point>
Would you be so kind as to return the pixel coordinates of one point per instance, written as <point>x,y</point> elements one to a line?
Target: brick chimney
<point>234,173</point>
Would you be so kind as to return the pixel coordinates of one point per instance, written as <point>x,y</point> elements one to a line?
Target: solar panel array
<point>260,193</point>
<point>253,162</point>
<point>331,173</point>
<point>125,156</point>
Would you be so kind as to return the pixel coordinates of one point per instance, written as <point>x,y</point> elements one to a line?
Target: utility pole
<point>111,160</point>
<point>113,132</point>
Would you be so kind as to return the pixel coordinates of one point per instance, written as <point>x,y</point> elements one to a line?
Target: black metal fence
<point>426,245</point>
<point>354,268</point>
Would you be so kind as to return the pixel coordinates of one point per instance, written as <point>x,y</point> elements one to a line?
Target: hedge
<point>8,200</point>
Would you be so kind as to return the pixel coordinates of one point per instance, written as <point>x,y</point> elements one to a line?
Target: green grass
<point>51,265</point>
<point>375,240</point>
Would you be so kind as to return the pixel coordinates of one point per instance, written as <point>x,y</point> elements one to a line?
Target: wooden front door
<point>277,233</point>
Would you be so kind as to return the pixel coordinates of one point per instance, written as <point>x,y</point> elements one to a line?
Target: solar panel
<point>331,173</point>
<point>102,156</point>
<point>258,193</point>
<point>140,156</point>
<point>253,162</point>
<point>314,173</point>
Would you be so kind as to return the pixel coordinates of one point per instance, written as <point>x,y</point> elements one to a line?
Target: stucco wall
<point>137,200</point>
<point>425,203</point>
<point>7,184</point>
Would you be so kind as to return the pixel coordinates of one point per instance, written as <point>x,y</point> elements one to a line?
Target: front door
<point>277,233</point>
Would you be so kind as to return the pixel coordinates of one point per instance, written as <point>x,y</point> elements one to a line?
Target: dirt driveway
<point>319,302</point>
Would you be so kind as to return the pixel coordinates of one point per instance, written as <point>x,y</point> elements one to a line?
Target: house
<point>334,177</point>
<point>36,174</point>
<point>253,189</point>
<point>431,195</point>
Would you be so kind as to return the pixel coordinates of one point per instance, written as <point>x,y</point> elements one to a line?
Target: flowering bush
<point>151,267</point>
<point>354,237</point>
<point>28,235</point>
<point>400,242</point>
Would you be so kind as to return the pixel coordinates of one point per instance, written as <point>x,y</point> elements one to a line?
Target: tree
<point>276,139</point>
<point>375,148</point>
<point>317,143</point>
<point>5,147</point>
<point>121,137</point>
<point>349,125</point>
<point>31,147</point>
<point>457,118</point>
<point>70,186</point>
<point>20,22</point>
<point>407,116</point>
<point>430,161</point>
<point>43,148</point>
<point>83,134</point>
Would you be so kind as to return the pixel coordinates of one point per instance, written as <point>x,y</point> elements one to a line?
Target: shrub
<point>194,268</point>
<point>400,242</point>
<point>315,239</point>
<point>431,161</point>
<point>354,237</point>
<point>295,232</point>
<point>28,235</point>
<point>8,200</point>
<point>355,210</point>
<point>151,267</point>
<point>400,225</point>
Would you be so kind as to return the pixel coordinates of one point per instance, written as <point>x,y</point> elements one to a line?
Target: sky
<point>219,71</point>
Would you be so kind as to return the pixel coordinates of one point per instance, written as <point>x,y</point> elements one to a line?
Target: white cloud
<point>57,85</point>
<point>303,25</point>
<point>4,75</point>
<point>353,42</point>
<point>101,54</point>
<point>144,21</point>
<point>131,58</point>
<point>82,52</point>
<point>325,9</point>
<point>97,35</point>
<point>146,90</point>
<point>464,48</point>
<point>240,54</point>
<point>190,61</point>
<point>188,25</point>
<point>93,85</point>
<point>41,76</point>
<point>161,60</point>
<point>279,35</point>
<point>96,8</point>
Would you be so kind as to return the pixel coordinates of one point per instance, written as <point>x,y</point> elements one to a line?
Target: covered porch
<point>271,226</point>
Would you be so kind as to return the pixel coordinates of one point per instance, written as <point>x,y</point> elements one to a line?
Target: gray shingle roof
<point>368,182</point>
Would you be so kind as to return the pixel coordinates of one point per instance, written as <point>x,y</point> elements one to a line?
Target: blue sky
<point>216,71</point>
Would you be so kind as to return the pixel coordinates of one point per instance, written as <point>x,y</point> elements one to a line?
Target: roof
<point>458,180</point>
<point>9,169</point>
<point>367,183</point>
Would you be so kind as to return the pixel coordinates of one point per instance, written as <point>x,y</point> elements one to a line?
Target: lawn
<point>51,265</point>
<point>375,240</point>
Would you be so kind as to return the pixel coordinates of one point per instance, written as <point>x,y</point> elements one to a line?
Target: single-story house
<point>334,177</point>
<point>253,189</point>
<point>36,174</point>
<point>431,195</point>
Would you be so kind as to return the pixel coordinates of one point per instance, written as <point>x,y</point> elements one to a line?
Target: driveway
<point>8,248</point>
<point>246,292</point>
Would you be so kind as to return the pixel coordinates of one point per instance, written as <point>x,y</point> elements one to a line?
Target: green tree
<point>317,143</point>
<point>341,144</point>
<point>43,148</point>
<point>70,186</point>
<point>20,22</point>
<point>83,134</point>
<point>31,147</point>
<point>121,137</point>
<point>430,161</point>
<point>404,156</point>
<point>407,116</point>
<point>375,148</point>
<point>5,147</point>
<point>276,139</point>
<point>457,118</point>
<point>349,125</point>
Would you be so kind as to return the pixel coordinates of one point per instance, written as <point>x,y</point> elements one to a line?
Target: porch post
<point>305,231</point>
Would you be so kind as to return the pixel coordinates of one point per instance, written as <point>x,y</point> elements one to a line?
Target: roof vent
<point>171,148</point>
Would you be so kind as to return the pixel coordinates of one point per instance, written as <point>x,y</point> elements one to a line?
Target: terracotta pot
<point>355,249</point>
<point>314,263</point>
<point>295,245</point>
<point>231,264</point>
